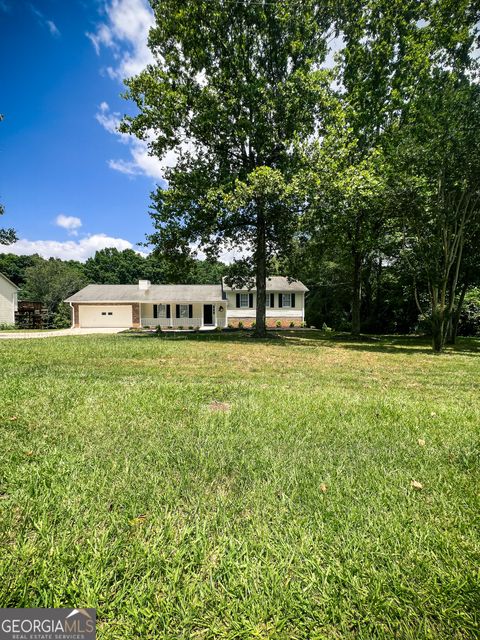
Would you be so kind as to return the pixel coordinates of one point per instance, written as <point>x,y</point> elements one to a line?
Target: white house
<point>8,300</point>
<point>185,305</point>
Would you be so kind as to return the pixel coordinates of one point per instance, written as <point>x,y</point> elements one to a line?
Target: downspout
<point>73,315</point>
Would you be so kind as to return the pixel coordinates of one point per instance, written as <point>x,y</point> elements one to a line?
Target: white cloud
<point>139,161</point>
<point>70,223</point>
<point>68,250</point>
<point>125,32</point>
<point>51,26</point>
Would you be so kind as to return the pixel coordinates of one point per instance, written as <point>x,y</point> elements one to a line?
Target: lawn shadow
<point>389,344</point>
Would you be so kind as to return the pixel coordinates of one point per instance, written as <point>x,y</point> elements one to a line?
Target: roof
<point>8,280</point>
<point>155,293</point>
<point>276,283</point>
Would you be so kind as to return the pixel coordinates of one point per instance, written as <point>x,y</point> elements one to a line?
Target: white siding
<point>271,312</point>
<point>8,301</point>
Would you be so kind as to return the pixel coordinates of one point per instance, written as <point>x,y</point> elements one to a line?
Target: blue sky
<point>70,184</point>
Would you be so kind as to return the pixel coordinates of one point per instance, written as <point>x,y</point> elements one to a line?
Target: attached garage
<point>114,316</point>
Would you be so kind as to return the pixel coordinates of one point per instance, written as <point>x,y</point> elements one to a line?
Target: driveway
<point>13,335</point>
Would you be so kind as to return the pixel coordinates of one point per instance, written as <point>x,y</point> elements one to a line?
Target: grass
<point>215,487</point>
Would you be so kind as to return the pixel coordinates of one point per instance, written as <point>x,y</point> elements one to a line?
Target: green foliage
<point>51,281</point>
<point>63,316</point>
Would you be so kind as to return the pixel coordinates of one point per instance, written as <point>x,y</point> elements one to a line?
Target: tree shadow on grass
<point>402,345</point>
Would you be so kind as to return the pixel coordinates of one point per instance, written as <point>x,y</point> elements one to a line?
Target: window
<point>270,300</point>
<point>161,311</point>
<point>286,300</point>
<point>104,313</point>
<point>244,301</point>
<point>110,313</point>
<point>183,310</point>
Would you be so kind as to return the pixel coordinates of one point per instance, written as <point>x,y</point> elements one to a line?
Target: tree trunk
<point>438,330</point>
<point>455,317</point>
<point>261,278</point>
<point>356,293</point>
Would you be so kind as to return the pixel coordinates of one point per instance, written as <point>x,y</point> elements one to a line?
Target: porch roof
<point>102,293</point>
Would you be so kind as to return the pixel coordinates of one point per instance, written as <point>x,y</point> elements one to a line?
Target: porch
<point>184,315</point>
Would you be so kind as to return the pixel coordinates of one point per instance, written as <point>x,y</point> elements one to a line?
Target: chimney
<point>144,285</point>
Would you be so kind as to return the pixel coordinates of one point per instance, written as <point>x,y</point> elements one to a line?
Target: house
<point>8,300</point>
<point>203,306</point>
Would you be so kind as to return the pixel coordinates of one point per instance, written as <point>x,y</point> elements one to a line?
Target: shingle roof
<point>155,293</point>
<point>277,283</point>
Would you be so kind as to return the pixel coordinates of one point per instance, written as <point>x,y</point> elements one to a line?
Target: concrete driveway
<point>13,335</point>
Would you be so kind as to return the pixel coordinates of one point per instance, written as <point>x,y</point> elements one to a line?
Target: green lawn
<point>216,487</point>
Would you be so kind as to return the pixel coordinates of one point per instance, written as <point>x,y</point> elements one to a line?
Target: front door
<point>207,314</point>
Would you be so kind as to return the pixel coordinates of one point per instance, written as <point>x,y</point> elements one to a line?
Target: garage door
<point>105,316</point>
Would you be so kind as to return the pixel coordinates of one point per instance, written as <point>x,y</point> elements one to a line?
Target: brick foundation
<point>271,322</point>
<point>136,315</point>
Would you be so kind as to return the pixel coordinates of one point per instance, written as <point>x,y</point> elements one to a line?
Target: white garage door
<point>105,316</point>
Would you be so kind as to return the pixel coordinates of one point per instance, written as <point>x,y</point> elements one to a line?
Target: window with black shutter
<point>250,300</point>
<point>280,301</point>
<point>168,311</point>
<point>190,310</point>
<point>292,298</point>
<point>155,311</point>
<point>238,300</point>
<point>272,300</point>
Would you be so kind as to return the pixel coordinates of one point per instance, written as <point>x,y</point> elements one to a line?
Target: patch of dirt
<point>219,406</point>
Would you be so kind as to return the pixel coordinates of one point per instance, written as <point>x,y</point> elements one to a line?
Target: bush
<point>218,328</point>
<point>158,329</point>
<point>469,323</point>
<point>326,328</point>
<point>240,325</point>
<point>230,326</point>
<point>5,326</point>
<point>63,316</point>
<point>190,328</point>
<point>292,325</point>
<point>278,324</point>
<point>180,328</point>
<point>253,325</point>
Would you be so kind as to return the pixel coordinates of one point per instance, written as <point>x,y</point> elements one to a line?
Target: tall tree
<point>233,85</point>
<point>439,154</point>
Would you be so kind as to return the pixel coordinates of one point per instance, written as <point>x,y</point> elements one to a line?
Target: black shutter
<point>293,299</point>
<point>177,310</point>
<point>190,310</point>
<point>238,301</point>
<point>168,311</point>
<point>272,300</point>
<point>250,300</point>
<point>155,311</point>
<point>280,300</point>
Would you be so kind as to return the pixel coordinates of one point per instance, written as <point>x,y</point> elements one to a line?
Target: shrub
<point>190,328</point>
<point>240,325</point>
<point>230,326</point>
<point>5,326</point>
<point>292,325</point>
<point>304,324</point>
<point>278,324</point>
<point>63,317</point>
<point>197,328</point>
<point>326,328</point>
<point>158,329</point>
<point>180,328</point>
<point>253,325</point>
<point>218,328</point>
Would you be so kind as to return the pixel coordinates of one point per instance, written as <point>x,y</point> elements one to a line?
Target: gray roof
<point>155,293</point>
<point>276,283</point>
